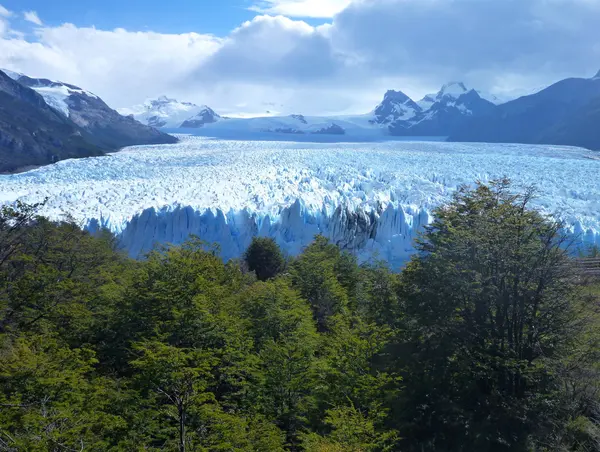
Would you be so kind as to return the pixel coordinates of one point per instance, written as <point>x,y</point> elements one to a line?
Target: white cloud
<point>483,40</point>
<point>32,16</point>
<point>301,8</point>
<point>4,12</point>
<point>346,65</point>
<point>268,48</point>
<point>122,67</point>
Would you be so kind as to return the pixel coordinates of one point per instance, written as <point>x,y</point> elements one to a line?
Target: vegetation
<point>486,341</point>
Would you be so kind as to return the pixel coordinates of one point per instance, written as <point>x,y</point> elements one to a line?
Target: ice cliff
<point>369,198</point>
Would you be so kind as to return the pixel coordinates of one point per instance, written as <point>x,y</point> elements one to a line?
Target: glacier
<point>371,198</point>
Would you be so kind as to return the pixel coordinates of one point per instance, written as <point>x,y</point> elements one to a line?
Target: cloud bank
<point>284,64</point>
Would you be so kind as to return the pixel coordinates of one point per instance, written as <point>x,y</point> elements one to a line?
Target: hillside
<point>32,133</point>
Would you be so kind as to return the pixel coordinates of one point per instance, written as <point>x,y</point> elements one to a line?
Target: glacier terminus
<point>368,198</point>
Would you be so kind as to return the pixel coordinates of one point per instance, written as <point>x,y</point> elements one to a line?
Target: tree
<point>325,276</point>
<point>177,379</point>
<point>264,257</point>
<point>489,298</point>
<point>351,431</point>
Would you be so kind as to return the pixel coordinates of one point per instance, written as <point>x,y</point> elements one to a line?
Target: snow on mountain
<point>452,107</point>
<point>56,94</point>
<point>427,101</point>
<point>454,90</point>
<point>12,74</point>
<point>106,128</point>
<point>371,199</point>
<point>357,127</point>
<point>206,115</point>
<point>163,112</point>
<point>396,106</point>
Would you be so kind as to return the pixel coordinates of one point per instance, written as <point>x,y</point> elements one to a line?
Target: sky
<point>298,56</point>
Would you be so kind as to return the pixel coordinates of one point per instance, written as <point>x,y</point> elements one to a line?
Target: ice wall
<point>387,233</point>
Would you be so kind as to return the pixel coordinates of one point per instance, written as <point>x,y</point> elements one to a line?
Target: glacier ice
<point>370,198</point>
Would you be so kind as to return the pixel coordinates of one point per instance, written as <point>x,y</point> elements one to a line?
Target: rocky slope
<point>106,126</point>
<point>32,133</point>
<point>42,121</point>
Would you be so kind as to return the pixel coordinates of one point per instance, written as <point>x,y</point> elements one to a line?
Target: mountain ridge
<point>44,121</point>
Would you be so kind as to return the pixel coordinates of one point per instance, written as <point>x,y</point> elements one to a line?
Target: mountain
<point>206,115</point>
<point>32,133</point>
<point>163,112</point>
<point>395,106</point>
<point>43,121</point>
<point>444,113</point>
<point>542,117</point>
<point>455,90</point>
<point>107,128</point>
<point>582,128</point>
<point>287,125</point>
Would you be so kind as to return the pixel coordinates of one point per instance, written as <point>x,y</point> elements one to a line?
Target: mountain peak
<point>206,115</point>
<point>395,96</point>
<point>597,76</point>
<point>12,74</point>
<point>453,89</point>
<point>395,106</point>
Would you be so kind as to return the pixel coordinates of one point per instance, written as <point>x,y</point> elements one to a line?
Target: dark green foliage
<point>482,343</point>
<point>491,303</point>
<point>264,257</point>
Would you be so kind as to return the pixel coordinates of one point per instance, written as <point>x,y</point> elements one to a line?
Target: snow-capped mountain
<point>49,121</point>
<point>32,133</point>
<point>396,106</point>
<point>108,129</point>
<point>56,94</point>
<point>443,113</point>
<point>164,112</point>
<point>296,125</point>
<point>206,115</point>
<point>454,90</point>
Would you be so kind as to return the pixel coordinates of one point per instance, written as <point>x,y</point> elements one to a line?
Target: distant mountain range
<point>43,121</point>
<point>566,112</point>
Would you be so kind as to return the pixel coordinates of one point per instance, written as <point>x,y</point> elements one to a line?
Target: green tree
<point>326,278</point>
<point>177,379</point>
<point>351,431</point>
<point>490,304</point>
<point>264,257</point>
<point>50,399</point>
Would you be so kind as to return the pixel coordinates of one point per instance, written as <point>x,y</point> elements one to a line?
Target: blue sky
<point>174,16</point>
<point>298,56</point>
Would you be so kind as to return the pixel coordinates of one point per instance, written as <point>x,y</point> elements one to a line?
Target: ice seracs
<point>369,198</point>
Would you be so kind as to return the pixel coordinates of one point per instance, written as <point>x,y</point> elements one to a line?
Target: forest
<point>487,340</point>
